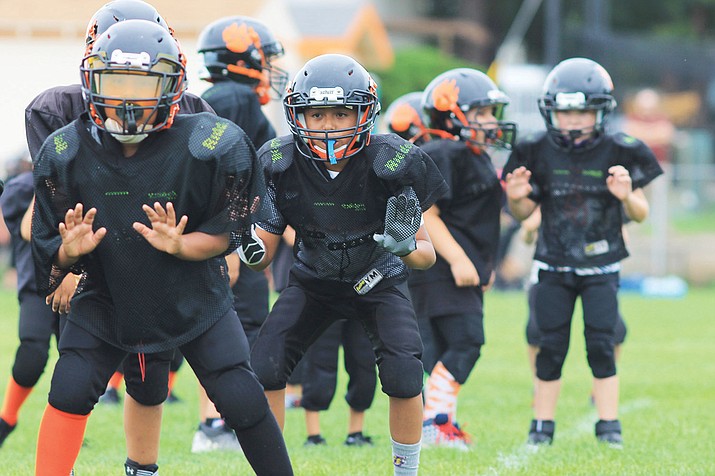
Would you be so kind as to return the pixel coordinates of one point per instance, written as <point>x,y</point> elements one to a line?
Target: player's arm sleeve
<point>644,166</point>
<point>46,238</point>
<point>38,127</point>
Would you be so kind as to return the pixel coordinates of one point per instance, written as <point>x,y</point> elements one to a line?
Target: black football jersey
<point>56,107</point>
<point>335,219</point>
<point>470,209</point>
<point>132,295</point>
<point>581,220</point>
<point>239,103</point>
<point>14,202</point>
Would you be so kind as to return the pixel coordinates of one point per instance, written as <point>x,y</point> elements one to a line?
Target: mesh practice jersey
<point>470,210</point>
<point>132,295</point>
<point>335,219</point>
<point>581,220</point>
<point>56,107</point>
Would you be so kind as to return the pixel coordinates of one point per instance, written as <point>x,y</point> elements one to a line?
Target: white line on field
<point>519,457</point>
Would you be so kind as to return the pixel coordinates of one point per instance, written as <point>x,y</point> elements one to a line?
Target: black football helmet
<point>331,80</point>
<point>578,84</point>
<point>120,10</point>
<point>130,56</point>
<point>449,96</point>
<point>241,49</point>
<point>404,117</point>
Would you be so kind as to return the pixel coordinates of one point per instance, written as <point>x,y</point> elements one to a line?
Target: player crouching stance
<point>146,205</point>
<point>355,202</point>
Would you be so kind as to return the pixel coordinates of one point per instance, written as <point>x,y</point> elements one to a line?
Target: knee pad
<point>460,362</point>
<point>549,363</point>
<point>316,398</point>
<point>401,377</point>
<point>153,388</point>
<point>30,361</point>
<point>601,358</point>
<point>149,392</point>
<point>75,388</point>
<point>239,398</point>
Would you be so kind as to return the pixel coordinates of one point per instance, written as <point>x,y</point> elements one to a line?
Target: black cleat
<point>110,397</point>
<point>609,432</point>
<point>315,440</point>
<point>358,439</point>
<point>541,432</point>
<point>5,430</point>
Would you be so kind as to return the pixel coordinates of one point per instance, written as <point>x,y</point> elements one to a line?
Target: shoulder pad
<point>625,140</point>
<point>391,155</point>
<point>212,135</point>
<point>62,145</point>
<point>277,154</point>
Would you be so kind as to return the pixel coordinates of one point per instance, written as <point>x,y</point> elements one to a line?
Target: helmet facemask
<point>320,144</point>
<point>130,95</point>
<point>549,105</point>
<point>450,97</point>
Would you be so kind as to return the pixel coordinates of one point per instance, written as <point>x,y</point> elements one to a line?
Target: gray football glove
<point>252,250</point>
<point>402,221</point>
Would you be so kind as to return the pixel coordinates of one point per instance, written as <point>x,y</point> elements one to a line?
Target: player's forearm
<point>444,243</point>
<point>423,257</point>
<point>522,208</point>
<point>26,223</point>
<point>63,260</point>
<point>198,246</point>
<point>636,206</point>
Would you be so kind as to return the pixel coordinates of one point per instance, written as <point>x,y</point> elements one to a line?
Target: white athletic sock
<point>405,458</point>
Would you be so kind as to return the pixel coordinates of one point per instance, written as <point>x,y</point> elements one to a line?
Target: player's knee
<point>148,393</point>
<point>270,372</point>
<point>401,377</point>
<point>317,398</point>
<point>549,362</point>
<point>460,362</point>
<point>601,358</point>
<point>239,398</point>
<point>75,388</point>
<point>30,362</point>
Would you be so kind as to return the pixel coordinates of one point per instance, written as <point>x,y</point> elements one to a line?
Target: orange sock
<point>116,380</point>
<point>172,379</point>
<point>58,442</point>
<point>441,393</point>
<point>15,396</point>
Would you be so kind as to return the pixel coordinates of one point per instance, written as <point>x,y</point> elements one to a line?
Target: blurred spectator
<point>647,121</point>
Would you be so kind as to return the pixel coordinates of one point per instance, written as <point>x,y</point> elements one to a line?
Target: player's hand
<point>252,250</point>
<point>402,221</point>
<point>619,182</point>
<point>164,234</point>
<point>60,299</point>
<point>517,184</point>
<point>464,273</point>
<point>78,238</point>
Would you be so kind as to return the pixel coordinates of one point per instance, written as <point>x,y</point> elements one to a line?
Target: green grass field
<point>667,408</point>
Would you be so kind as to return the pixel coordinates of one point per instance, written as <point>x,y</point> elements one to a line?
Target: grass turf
<point>667,407</point>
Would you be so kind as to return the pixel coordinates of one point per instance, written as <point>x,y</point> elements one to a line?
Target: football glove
<point>252,250</point>
<point>402,221</point>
